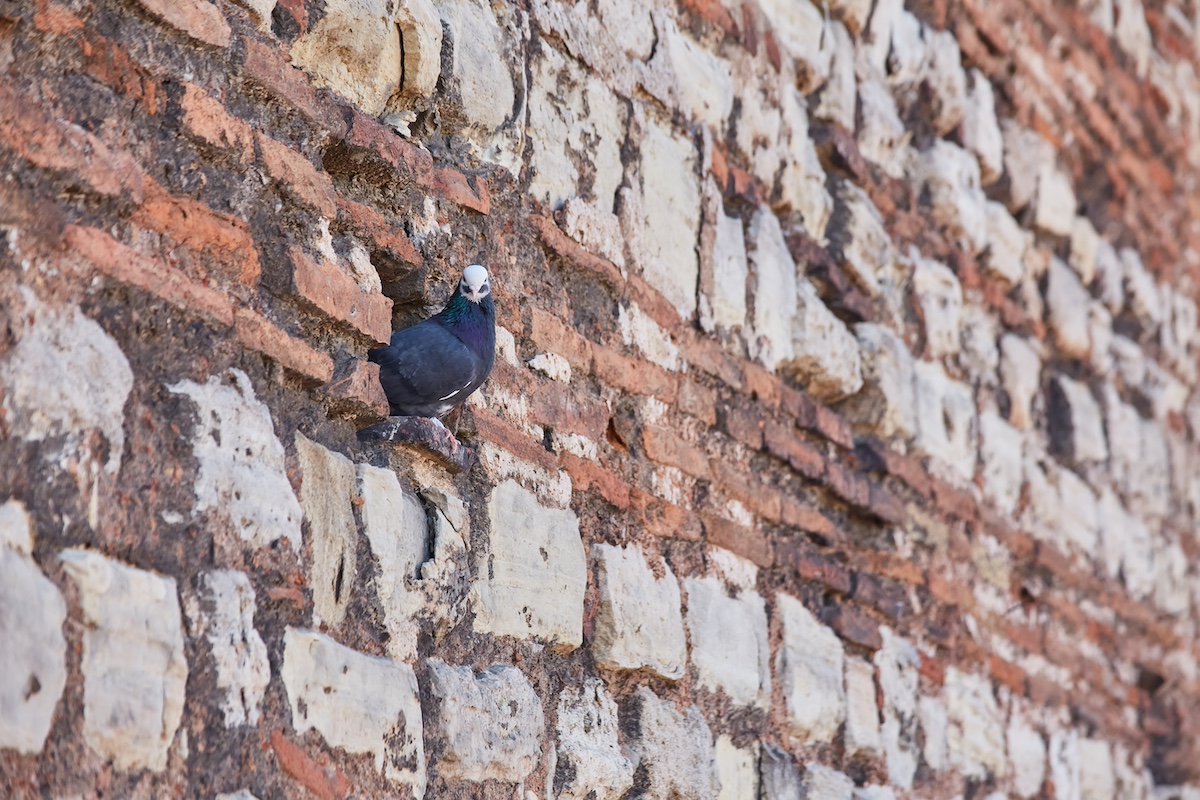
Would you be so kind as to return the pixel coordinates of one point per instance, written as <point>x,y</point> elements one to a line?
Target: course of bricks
<point>841,444</point>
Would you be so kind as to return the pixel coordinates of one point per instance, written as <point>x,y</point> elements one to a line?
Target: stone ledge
<point>427,436</point>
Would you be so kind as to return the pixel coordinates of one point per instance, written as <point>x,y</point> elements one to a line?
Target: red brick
<point>128,266</point>
<point>58,146</point>
<point>325,781</point>
<point>651,300</point>
<point>853,625</point>
<point>566,409</point>
<point>749,543</point>
<point>299,176</point>
<point>953,500</point>
<point>799,514</point>
<point>811,565</point>
<point>945,588</point>
<point>666,447</point>
<point>469,192</point>
<point>743,424</point>
<point>355,391</point>
<point>587,474</point>
<point>712,11</point>
<point>505,435</point>
<point>270,69</point>
<point>887,597</point>
<point>886,505</point>
<point>632,375</point>
<point>749,489</point>
<point>402,158</point>
<point>259,334</point>
<point>763,386</point>
<point>388,236</point>
<point>205,118</point>
<point>662,519</point>
<point>698,401</point>
<point>834,427</point>
<point>56,19</point>
<point>574,253</point>
<point>202,21</point>
<point>847,484</point>
<point>193,231</point>
<point>551,334</point>
<point>327,288</point>
<point>705,353</point>
<point>784,442</point>
<point>109,63</point>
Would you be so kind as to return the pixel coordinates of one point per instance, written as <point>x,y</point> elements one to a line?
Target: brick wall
<point>842,441</point>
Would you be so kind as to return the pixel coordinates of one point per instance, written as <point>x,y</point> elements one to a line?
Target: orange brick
<point>587,474</point>
<point>705,353</point>
<point>355,391</point>
<point>662,519</point>
<point>574,253</point>
<point>784,442</point>
<point>651,300</point>
<point>469,192</point>
<point>504,435</point>
<point>327,288</point>
<point>749,543</point>
<point>551,334</point>
<point>325,781</point>
<point>698,401</point>
<point>632,375</point>
<point>666,447</point>
<point>386,235</point>
<point>762,385</point>
<point>202,21</point>
<point>111,64</point>
<point>56,19</point>
<point>128,266</point>
<point>206,119</point>
<point>259,334</point>
<point>403,157</point>
<point>270,69</point>
<point>300,177</point>
<point>799,514</point>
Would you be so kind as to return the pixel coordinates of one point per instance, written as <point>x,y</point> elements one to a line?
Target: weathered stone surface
<point>898,664</point>
<point>801,30</point>
<point>947,84</point>
<point>737,770</point>
<point>1000,454</point>
<point>65,376</point>
<point>939,298</point>
<point>1085,243</point>
<point>1074,422</point>
<point>1067,307</point>
<point>1064,762</point>
<point>886,404</point>
<point>537,571</point>
<point>1026,155</point>
<point>397,527</point>
<point>590,762</point>
<point>1097,780</point>
<point>325,494</point>
<point>360,703</point>
<point>242,478</point>
<point>857,237</point>
<point>775,294</point>
<point>1007,244</point>
<point>980,129</point>
<point>477,66</point>
<point>134,672</point>
<point>421,42</point>
<point>730,647</point>
<point>823,783</point>
<point>810,664</point>
<point>945,420</point>
<point>429,437</point>
<point>862,714</point>
<point>1026,753</point>
<point>950,175</point>
<point>975,734</point>
<point>934,721</point>
<point>839,96</point>
<point>1020,376</point>
<point>1142,296</point>
<point>638,621</point>
<point>730,272</point>
<point>1054,207</point>
<point>33,658</point>
<point>703,80</point>
<point>882,137</point>
<point>674,750</point>
<point>355,50</point>
<point>226,619</point>
<point>825,358</point>
<point>779,776</point>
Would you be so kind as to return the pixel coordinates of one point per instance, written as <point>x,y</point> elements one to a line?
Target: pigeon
<point>432,367</point>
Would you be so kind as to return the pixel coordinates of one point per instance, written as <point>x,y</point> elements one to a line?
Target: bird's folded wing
<point>425,364</point>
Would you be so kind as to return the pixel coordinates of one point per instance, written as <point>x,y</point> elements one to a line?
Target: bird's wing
<point>425,364</point>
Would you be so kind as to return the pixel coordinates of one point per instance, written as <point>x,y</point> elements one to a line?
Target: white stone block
<point>355,50</point>
<point>1026,156</point>
<point>134,671</point>
<point>1097,780</point>
<point>823,783</point>
<point>639,330</point>
<point>899,674</point>
<point>1110,276</point>
<point>1000,452</point>
<point>979,356</point>
<point>810,663</point>
<point>593,224</point>
<point>825,354</point>
<point>980,128</point>
<point>675,749</point>
<point>950,175</point>
<point>939,299</point>
<point>730,646</point>
<point>477,64</point>
<point>838,99</point>
<point>801,31</point>
<point>1021,377</point>
<point>537,571</point>
<point>778,773</point>
<point>589,755</point>
<point>1075,424</point>
<point>886,404</point>
<point>1141,292</point>
<point>360,703</point>
<point>909,58</point>
<point>33,658</point>
<point>1008,243</point>
<point>227,620</point>
<point>1126,545</point>
<point>1064,764</point>
<point>703,80</point>
<point>862,736</point>
<point>1067,304</point>
<point>975,733</point>
<point>421,43</point>
<point>638,619</point>
<point>1085,243</point>
<point>242,477</point>
<point>935,721</point>
<point>775,297</point>
<point>552,365</point>
<point>1055,206</point>
<point>1100,331</point>
<point>947,82</point>
<point>858,239</point>
<point>1026,754</point>
<point>853,13</point>
<point>731,272</point>
<point>945,420</point>
<point>630,24</point>
<point>737,770</point>
<point>875,793</point>
<point>1133,34</point>
<point>325,495</point>
<point>882,137</point>
<point>802,181</point>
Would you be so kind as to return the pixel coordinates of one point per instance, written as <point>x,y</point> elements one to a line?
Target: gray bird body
<point>428,369</point>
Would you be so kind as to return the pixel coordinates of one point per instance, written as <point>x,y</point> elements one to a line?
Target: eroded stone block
<point>325,496</point>
<point>947,82</point>
<point>939,298</point>
<point>1075,424</point>
<point>730,272</point>
<point>1067,308</point>
<point>950,175</point>
<point>355,50</point>
<point>899,663</point>
<point>1007,244</point>
<point>886,404</point>
<point>590,762</point>
<point>730,647</point>
<point>775,300</point>
<point>825,358</point>
<point>1027,754</point>
<point>838,98</point>
<point>477,65</point>
<point>810,662</point>
<point>862,714</point>
<point>240,655</point>
<point>638,622</point>
<point>980,128</point>
<point>882,137</point>
<point>823,783</point>
<point>945,420</point>
<point>857,237</point>
<point>800,29</point>
<point>1000,451</point>
<point>1020,376</point>
<point>975,733</point>
<point>674,748</point>
<point>737,770</point>
<point>703,80</point>
<point>1054,207</point>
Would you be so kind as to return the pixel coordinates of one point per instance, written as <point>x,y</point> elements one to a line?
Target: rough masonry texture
<point>842,440</point>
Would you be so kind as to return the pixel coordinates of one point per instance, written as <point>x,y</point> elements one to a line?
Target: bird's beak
<point>474,294</point>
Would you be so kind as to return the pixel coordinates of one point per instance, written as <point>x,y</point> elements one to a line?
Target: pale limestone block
<point>731,272</point>
<point>639,330</point>
<point>1008,243</point>
<point>947,82</point>
<point>589,754</point>
<point>704,81</point>
<point>477,65</point>
<point>935,721</point>
<point>134,671</point>
<point>858,239</point>
<point>1101,13</point>
<point>1163,392</point>
<point>33,659</point>
<point>670,220</point>
<point>675,749</point>
<point>1110,276</point>
<point>1171,591</point>
<point>823,783</point>
<point>862,736</point>
<point>1075,423</point>
<point>876,45</point>
<point>490,723</point>
<point>552,365</point>
<point>242,476</point>
<point>1124,428</point>
<point>537,571</point>
<point>975,733</point>
<point>838,98</point>
<point>355,50</point>
<point>939,298</point>
<point>594,225</point>
<point>825,359</point>
<point>1134,781</point>
<point>882,137</point>
<point>359,703</point>
<point>909,58</point>
<point>1026,754</point>
<point>730,646</point>
<point>775,295</point>
<point>1097,780</point>
<point>810,663</point>
<point>1026,156</point>
<point>886,403</point>
<point>760,133</point>
<point>1054,207</point>
<point>980,353</point>
<point>778,774</point>
<point>737,770</point>
<point>945,420</point>
<point>1126,546</point>
<point>1149,493</point>
<point>1141,292</point>
<point>1133,34</point>
<point>1064,763</point>
<point>421,42</point>
<point>638,620</point>
<point>801,30</point>
<point>853,14</point>
<point>899,675</point>
<point>1067,305</point>
<point>64,377</point>
<point>802,181</point>
<point>1000,451</point>
<point>1100,331</point>
<point>1079,524</point>
<point>630,24</point>
<point>396,525</point>
<point>1085,244</point>
<point>1021,377</point>
<point>950,175</point>
<point>226,619</point>
<point>573,119</point>
<point>325,494</point>
<point>876,792</point>
<point>980,128</point>
<point>1178,333</point>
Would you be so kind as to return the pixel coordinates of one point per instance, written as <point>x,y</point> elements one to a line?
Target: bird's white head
<point>475,284</point>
